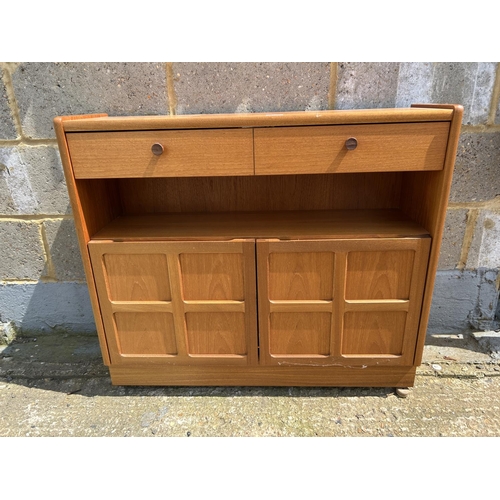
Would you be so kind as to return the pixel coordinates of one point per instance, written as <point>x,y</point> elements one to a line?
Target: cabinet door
<point>348,302</point>
<point>177,302</point>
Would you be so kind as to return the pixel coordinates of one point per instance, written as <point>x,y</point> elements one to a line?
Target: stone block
<point>46,307</point>
<point>485,247</point>
<point>64,250</point>
<point>455,295</point>
<point>497,115</point>
<point>46,90</point>
<point>463,300</point>
<point>479,109</point>
<point>483,316</point>
<point>250,87</point>
<point>453,236</point>
<point>7,127</point>
<point>477,168</point>
<point>467,83</point>
<point>8,333</point>
<point>32,181</point>
<point>366,85</point>
<point>414,84</point>
<point>21,251</point>
<point>489,340</point>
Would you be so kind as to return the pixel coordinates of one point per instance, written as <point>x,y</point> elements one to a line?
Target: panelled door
<point>347,302</point>
<point>178,302</point>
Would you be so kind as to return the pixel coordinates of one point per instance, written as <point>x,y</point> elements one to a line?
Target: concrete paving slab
<point>456,348</point>
<point>56,385</point>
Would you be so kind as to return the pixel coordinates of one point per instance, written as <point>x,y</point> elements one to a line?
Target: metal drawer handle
<point>351,143</point>
<point>157,149</point>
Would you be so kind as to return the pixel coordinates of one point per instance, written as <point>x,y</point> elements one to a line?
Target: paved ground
<point>56,385</point>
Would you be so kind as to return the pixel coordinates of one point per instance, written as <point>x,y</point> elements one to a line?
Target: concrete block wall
<point>42,285</point>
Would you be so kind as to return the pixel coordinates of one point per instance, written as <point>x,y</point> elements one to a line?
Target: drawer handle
<point>351,143</point>
<point>157,149</point>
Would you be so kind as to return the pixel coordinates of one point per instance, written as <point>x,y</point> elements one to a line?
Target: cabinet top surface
<point>103,122</point>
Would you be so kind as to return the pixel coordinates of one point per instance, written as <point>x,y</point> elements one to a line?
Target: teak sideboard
<point>277,249</point>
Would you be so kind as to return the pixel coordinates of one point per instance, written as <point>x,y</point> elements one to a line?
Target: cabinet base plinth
<point>336,376</point>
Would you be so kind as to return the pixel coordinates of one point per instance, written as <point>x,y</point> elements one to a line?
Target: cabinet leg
<point>402,392</point>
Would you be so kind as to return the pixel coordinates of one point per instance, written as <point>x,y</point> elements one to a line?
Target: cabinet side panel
<point>99,201</point>
<point>424,198</point>
<point>82,233</point>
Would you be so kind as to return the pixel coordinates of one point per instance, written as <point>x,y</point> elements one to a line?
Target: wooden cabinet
<point>261,249</point>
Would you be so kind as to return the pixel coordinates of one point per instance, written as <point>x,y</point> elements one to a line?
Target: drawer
<point>186,153</point>
<point>322,149</point>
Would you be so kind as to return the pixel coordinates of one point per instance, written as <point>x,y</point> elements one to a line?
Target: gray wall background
<point>42,284</point>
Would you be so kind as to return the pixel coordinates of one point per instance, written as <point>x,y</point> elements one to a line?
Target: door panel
<point>216,333</point>
<point>373,333</point>
<point>379,274</point>
<point>353,302</point>
<point>301,334</point>
<point>178,302</point>
<point>212,276</point>
<point>301,276</point>
<point>141,333</point>
<point>135,277</point>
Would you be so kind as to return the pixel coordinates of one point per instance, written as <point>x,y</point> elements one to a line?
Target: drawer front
<point>322,149</point>
<point>186,153</point>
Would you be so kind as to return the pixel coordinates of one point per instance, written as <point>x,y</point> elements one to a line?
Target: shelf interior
<point>285,207</point>
<point>290,224</point>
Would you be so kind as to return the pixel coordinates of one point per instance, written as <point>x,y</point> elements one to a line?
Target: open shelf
<point>291,224</point>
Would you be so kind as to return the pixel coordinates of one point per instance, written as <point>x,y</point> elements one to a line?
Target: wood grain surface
<point>292,374</point>
<point>260,193</point>
<point>294,118</point>
<point>177,302</point>
<point>186,153</point>
<point>380,148</point>
<point>340,300</point>
<point>281,225</point>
